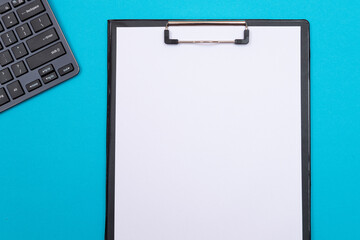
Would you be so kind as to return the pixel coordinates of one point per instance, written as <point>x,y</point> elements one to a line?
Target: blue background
<point>52,147</point>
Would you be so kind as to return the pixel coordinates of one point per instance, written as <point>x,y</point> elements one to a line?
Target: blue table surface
<point>53,147</point>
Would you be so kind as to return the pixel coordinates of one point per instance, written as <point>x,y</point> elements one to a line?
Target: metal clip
<point>167,39</point>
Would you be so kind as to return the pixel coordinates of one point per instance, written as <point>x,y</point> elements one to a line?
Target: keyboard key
<point>66,69</point>
<point>30,10</point>
<point>23,31</point>
<point>9,38</point>
<point>19,51</point>
<point>3,97</point>
<point>1,46</point>
<point>5,76</point>
<point>41,23</point>
<point>1,28</point>
<point>33,85</point>
<point>5,58</point>
<point>4,8</point>
<point>19,69</point>
<point>42,40</point>
<point>10,20</point>
<point>46,56</point>
<point>17,3</point>
<point>15,90</point>
<point>46,70</point>
<point>51,77</point>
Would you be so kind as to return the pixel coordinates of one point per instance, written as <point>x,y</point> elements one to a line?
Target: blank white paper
<point>208,137</point>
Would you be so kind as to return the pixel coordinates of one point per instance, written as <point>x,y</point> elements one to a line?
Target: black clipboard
<point>305,109</point>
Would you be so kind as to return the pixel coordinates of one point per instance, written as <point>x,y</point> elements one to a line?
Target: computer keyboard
<point>34,54</point>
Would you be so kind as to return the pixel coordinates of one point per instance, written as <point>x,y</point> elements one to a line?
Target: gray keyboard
<point>34,54</point>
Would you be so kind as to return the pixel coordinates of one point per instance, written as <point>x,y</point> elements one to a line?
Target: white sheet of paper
<point>208,137</point>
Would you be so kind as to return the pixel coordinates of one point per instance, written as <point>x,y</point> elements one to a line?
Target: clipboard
<point>208,130</point>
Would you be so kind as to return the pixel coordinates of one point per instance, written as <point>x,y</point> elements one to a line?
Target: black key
<point>9,38</point>
<point>10,20</point>
<point>33,85</point>
<point>4,8</point>
<point>1,28</point>
<point>46,56</point>
<point>41,23</point>
<point>3,97</point>
<point>51,77</point>
<point>5,76</point>
<point>23,31</point>
<point>19,69</point>
<point>1,46</point>
<point>17,3</point>
<point>46,70</point>
<point>5,58</point>
<point>19,51</point>
<point>66,69</point>
<point>15,89</point>
<point>42,40</point>
<point>30,10</point>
